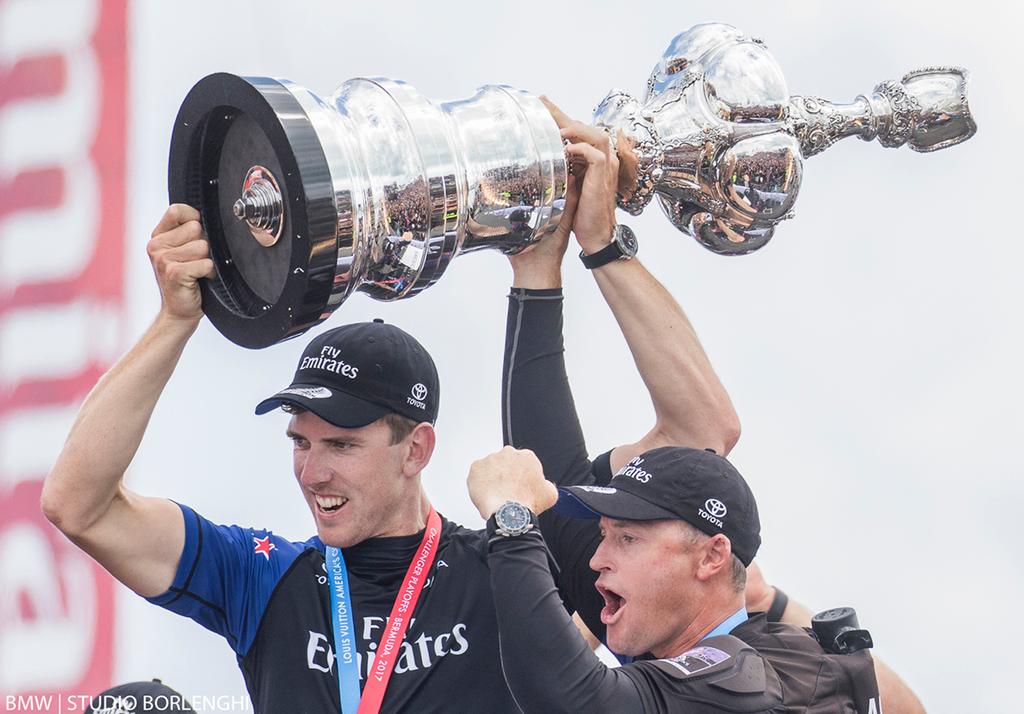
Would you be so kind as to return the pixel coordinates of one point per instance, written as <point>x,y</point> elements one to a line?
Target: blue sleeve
<point>226,576</point>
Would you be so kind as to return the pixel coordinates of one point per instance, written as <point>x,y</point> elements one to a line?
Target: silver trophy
<point>375,189</point>
<point>721,142</point>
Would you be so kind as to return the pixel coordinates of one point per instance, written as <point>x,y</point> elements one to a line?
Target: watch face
<point>512,516</point>
<point>626,239</point>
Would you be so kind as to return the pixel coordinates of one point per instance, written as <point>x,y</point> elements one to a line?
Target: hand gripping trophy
<point>375,189</point>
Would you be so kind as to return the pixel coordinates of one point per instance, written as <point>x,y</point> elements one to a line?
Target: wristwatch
<point>510,520</point>
<point>623,247</point>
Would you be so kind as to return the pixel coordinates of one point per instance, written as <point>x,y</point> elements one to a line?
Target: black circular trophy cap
<point>227,125</point>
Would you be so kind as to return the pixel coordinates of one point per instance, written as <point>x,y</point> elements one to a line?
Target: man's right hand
<point>589,208</point>
<point>540,264</point>
<point>138,539</point>
<point>180,256</point>
<point>509,475</point>
<point>595,167</point>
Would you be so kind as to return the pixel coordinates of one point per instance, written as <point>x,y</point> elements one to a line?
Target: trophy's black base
<point>227,124</point>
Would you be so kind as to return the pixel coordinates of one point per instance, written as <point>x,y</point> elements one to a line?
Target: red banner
<point>63,123</point>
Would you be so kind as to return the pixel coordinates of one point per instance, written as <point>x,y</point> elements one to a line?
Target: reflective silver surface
<point>376,188</point>
<point>416,183</point>
<point>718,138</point>
<point>260,206</point>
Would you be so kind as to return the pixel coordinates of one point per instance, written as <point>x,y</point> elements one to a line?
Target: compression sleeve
<point>225,577</point>
<point>602,469</point>
<point>538,413</point>
<point>547,663</point>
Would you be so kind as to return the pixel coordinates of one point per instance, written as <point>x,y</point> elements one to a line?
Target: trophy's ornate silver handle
<point>926,110</point>
<point>643,154</point>
<point>721,142</point>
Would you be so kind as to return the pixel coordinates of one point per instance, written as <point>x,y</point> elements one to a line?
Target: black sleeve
<point>538,413</point>
<point>547,663</point>
<point>602,469</point>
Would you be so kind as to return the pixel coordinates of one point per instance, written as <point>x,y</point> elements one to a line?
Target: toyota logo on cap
<point>419,391</point>
<point>715,507</point>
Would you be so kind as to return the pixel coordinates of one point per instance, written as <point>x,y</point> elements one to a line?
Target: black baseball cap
<point>355,374</point>
<point>138,698</point>
<point>675,482</point>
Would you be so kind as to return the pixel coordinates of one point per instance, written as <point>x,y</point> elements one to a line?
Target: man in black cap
<point>678,526</point>
<point>691,406</point>
<point>387,608</point>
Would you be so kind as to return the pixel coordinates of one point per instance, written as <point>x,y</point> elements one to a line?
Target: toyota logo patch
<point>715,507</point>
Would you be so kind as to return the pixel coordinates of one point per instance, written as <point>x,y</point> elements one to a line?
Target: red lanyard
<point>401,612</point>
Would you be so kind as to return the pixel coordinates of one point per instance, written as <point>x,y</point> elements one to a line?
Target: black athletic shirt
<point>760,668</point>
<point>269,598</point>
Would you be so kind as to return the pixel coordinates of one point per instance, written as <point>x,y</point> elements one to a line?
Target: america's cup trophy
<point>375,189</point>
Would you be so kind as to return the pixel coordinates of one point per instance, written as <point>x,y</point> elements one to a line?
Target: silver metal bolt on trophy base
<point>375,189</point>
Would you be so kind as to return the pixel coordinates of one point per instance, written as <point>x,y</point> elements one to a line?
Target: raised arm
<point>547,664</point>
<point>137,538</point>
<point>691,406</point>
<point>537,405</point>
<point>538,412</point>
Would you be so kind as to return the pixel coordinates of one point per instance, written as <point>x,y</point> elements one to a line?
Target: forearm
<point>536,271</point>
<point>896,696</point>
<point>86,478</point>
<point>547,663</point>
<point>691,405</point>
<point>538,411</point>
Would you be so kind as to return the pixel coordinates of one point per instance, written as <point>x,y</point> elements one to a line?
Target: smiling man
<point>354,418</point>
<point>387,608</point>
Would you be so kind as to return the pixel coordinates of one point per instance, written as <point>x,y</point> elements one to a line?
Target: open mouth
<point>327,505</point>
<point>613,605</point>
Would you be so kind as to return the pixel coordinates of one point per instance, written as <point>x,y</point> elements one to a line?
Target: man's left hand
<point>510,475</point>
<point>589,151</point>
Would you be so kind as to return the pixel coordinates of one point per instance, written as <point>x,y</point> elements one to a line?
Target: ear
<point>420,447</point>
<point>715,557</point>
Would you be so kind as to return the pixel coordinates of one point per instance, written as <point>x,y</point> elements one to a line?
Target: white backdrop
<point>872,350</point>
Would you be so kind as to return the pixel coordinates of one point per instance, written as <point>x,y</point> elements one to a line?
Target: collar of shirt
<point>724,628</point>
<point>734,620</point>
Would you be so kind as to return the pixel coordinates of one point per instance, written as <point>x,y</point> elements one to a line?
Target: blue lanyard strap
<point>344,631</point>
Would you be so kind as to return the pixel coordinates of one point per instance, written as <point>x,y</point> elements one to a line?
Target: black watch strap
<point>491,527</point>
<point>602,257</point>
<point>623,245</point>
<point>778,606</point>
<point>493,537</point>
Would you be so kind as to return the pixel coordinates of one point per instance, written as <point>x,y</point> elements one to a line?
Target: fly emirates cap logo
<point>330,360</point>
<point>633,471</point>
